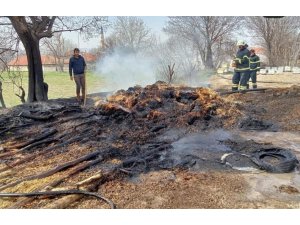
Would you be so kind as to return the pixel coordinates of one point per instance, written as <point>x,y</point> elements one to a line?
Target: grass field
<point>59,83</point>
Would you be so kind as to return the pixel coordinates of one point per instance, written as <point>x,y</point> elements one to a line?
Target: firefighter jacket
<point>254,62</point>
<point>242,60</point>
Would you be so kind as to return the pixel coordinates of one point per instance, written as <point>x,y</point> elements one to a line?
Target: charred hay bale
<point>131,102</point>
<point>196,106</point>
<point>192,118</point>
<point>113,110</point>
<point>139,107</point>
<point>186,96</point>
<point>154,114</point>
<point>142,96</point>
<point>157,85</point>
<point>161,83</point>
<point>116,98</point>
<point>167,94</point>
<point>154,103</point>
<point>133,90</point>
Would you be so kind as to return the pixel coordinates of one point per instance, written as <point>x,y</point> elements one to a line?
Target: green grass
<point>60,86</point>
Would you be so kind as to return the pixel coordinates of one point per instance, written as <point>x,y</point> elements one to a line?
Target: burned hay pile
<point>176,106</point>
<point>58,144</point>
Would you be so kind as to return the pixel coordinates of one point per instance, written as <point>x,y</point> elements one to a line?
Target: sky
<point>155,23</point>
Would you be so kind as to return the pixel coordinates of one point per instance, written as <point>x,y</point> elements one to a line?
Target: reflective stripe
<point>240,60</point>
<point>235,85</point>
<point>236,69</point>
<point>253,83</point>
<point>245,56</point>
<point>243,87</point>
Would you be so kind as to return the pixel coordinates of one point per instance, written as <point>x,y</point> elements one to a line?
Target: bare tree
<point>58,47</point>
<point>9,45</point>
<point>131,34</point>
<point>204,32</point>
<point>279,36</point>
<point>175,51</point>
<point>30,30</point>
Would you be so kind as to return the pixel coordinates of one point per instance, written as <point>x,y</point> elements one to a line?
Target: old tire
<point>286,160</point>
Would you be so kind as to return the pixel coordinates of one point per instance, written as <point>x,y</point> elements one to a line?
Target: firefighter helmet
<point>241,43</point>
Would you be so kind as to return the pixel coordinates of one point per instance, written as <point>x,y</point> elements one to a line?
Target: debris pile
<point>58,145</point>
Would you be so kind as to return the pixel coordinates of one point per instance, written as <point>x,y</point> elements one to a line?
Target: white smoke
<point>122,70</point>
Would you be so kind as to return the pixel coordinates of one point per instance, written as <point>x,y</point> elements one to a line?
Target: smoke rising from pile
<point>122,70</point>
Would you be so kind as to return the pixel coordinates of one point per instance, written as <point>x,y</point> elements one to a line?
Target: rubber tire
<point>287,160</point>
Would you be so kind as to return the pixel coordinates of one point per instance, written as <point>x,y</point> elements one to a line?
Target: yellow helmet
<point>241,42</point>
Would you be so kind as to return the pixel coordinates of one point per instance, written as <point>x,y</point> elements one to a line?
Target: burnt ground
<point>156,147</point>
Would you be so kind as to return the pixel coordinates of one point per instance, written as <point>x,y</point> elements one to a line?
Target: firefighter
<point>254,67</point>
<point>241,67</point>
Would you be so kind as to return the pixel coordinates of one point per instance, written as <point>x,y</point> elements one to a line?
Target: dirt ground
<point>198,183</point>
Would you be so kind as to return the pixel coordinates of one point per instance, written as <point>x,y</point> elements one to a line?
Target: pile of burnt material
<point>170,105</point>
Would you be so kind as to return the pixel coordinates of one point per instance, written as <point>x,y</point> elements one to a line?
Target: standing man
<point>77,68</point>
<point>254,67</point>
<point>242,67</point>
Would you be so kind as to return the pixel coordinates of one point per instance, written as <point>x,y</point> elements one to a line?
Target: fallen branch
<point>64,192</point>
<point>14,127</point>
<point>69,119</point>
<point>41,137</point>
<point>44,151</point>
<point>68,200</point>
<point>54,183</point>
<point>53,170</point>
<point>35,117</point>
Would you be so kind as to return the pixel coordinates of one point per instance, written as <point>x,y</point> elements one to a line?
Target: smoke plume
<point>122,70</point>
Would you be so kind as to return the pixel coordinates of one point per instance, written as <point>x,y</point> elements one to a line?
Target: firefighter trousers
<point>240,78</point>
<point>253,76</point>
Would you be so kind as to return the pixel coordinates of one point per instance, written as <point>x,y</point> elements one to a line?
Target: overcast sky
<point>155,23</point>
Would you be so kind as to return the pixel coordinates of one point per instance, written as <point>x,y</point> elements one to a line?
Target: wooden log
<point>21,202</point>
<point>46,141</point>
<point>61,191</point>
<point>14,127</point>
<point>69,119</point>
<point>10,153</point>
<point>68,200</point>
<point>41,152</point>
<point>53,170</point>
<point>64,202</point>
<point>35,117</point>
<point>38,138</point>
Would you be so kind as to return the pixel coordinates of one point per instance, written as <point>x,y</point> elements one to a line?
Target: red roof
<point>49,60</point>
<point>22,60</point>
<point>89,57</point>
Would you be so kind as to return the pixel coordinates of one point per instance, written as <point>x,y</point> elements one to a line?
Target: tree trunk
<point>1,97</point>
<point>36,88</point>
<point>209,58</point>
<point>36,85</point>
